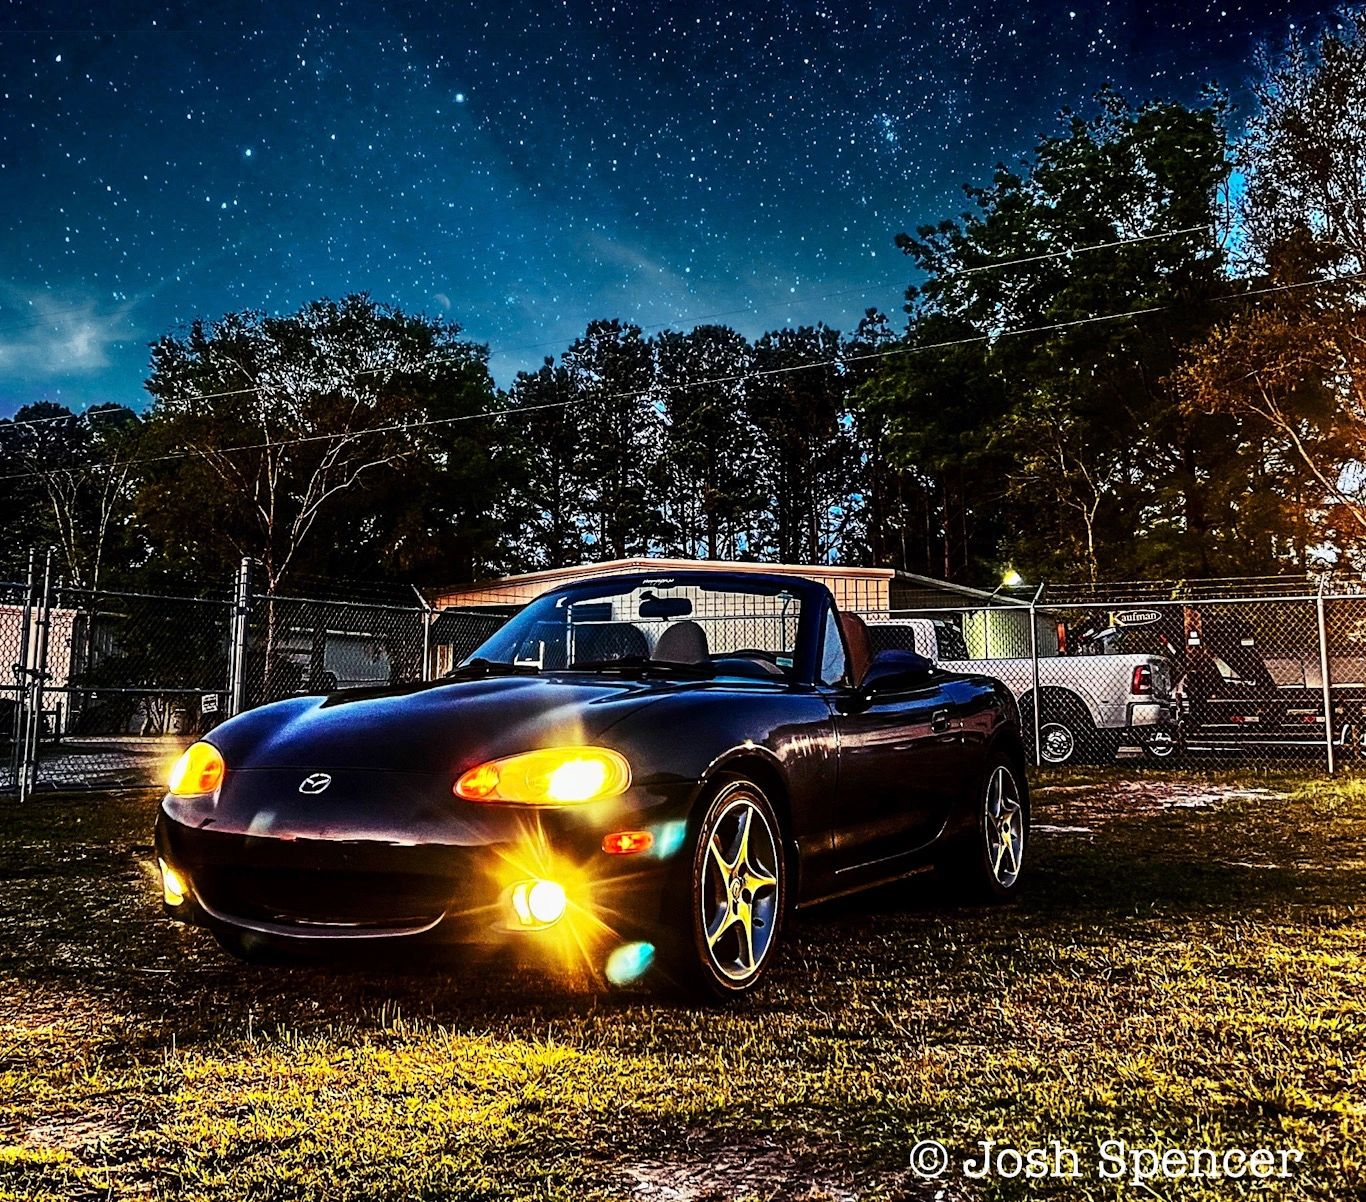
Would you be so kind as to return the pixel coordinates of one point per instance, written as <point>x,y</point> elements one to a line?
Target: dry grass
<point>1188,968</point>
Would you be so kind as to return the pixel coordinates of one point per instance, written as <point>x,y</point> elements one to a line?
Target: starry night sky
<point>523,167</point>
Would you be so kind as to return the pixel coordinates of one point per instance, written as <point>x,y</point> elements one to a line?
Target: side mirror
<point>891,671</point>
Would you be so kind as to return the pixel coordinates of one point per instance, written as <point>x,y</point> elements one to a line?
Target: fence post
<point>33,726</point>
<point>426,634</point>
<point>237,658</point>
<point>1323,675</point>
<point>18,759</point>
<point>1034,663</point>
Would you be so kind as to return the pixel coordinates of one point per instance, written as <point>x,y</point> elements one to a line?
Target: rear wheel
<point>735,893</point>
<point>1066,733</point>
<point>987,863</point>
<point>1161,744</point>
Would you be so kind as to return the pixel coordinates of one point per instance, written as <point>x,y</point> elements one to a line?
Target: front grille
<point>304,897</point>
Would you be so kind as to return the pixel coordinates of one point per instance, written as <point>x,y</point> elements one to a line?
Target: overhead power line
<point>759,373</point>
<point>1076,250</point>
<point>806,298</point>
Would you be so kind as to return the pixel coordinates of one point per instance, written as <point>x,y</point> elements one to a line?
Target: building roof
<point>861,587</point>
<point>852,587</point>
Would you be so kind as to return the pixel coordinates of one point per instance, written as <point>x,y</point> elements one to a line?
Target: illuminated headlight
<point>551,776</point>
<point>538,903</point>
<point>200,770</point>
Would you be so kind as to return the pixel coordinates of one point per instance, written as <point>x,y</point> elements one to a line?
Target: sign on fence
<point>1137,617</point>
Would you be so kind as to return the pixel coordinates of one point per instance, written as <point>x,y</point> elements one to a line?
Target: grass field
<point>1187,969</point>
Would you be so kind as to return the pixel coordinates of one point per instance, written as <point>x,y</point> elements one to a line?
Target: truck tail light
<point>1143,681</point>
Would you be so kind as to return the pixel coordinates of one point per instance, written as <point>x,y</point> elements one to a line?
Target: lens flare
<point>630,962</point>
<point>669,837</point>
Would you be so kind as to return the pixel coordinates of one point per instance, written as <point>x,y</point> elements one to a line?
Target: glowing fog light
<point>173,886</point>
<point>538,903</point>
<point>546,901</point>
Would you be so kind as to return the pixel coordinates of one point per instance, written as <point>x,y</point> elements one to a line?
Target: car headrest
<point>597,641</point>
<point>857,644</point>
<point>683,643</point>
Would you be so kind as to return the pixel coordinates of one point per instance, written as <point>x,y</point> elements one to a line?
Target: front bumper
<point>302,884</point>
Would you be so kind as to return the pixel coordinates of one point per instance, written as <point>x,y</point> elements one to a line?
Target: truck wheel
<point>1066,733</point>
<point>1161,745</point>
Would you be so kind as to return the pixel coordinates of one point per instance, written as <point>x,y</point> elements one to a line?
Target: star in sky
<point>522,169</point>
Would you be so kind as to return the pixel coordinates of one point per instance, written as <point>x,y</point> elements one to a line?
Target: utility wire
<point>1077,250</point>
<point>686,320</point>
<point>760,373</point>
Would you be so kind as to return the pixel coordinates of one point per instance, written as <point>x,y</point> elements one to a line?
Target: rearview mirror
<point>893,670</point>
<point>664,607</point>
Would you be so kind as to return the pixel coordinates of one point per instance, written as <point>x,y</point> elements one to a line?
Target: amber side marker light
<point>199,770</point>
<point>627,843</point>
<point>551,776</point>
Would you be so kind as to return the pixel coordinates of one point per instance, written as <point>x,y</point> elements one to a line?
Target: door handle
<point>939,721</point>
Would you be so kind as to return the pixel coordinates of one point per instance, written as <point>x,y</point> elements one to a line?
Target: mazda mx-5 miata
<point>647,771</point>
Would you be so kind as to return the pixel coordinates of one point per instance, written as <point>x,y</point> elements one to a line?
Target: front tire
<point>735,894</point>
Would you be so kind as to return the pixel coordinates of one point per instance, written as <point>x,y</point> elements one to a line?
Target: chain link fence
<point>1239,672</point>
<point>102,688</point>
<point>105,688</point>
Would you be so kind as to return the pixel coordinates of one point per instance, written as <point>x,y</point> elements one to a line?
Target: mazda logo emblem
<point>315,783</point>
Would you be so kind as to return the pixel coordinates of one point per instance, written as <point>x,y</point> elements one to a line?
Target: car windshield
<point>689,627</point>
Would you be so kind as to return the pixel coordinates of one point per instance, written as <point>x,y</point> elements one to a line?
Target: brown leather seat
<point>856,644</point>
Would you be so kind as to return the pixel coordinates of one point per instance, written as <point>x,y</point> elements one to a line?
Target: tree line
<point>1137,352</point>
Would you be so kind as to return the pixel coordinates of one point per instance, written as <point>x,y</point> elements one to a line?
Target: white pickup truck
<point>1090,704</point>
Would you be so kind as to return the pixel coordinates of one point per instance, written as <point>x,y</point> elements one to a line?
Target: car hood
<point>441,728</point>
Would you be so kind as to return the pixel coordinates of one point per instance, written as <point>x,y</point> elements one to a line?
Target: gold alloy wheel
<point>1004,826</point>
<point>738,888</point>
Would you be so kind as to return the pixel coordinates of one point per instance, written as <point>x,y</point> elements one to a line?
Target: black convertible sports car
<point>650,771</point>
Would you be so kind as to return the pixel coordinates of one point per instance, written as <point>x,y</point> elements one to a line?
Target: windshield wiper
<point>641,663</point>
<point>478,668</point>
